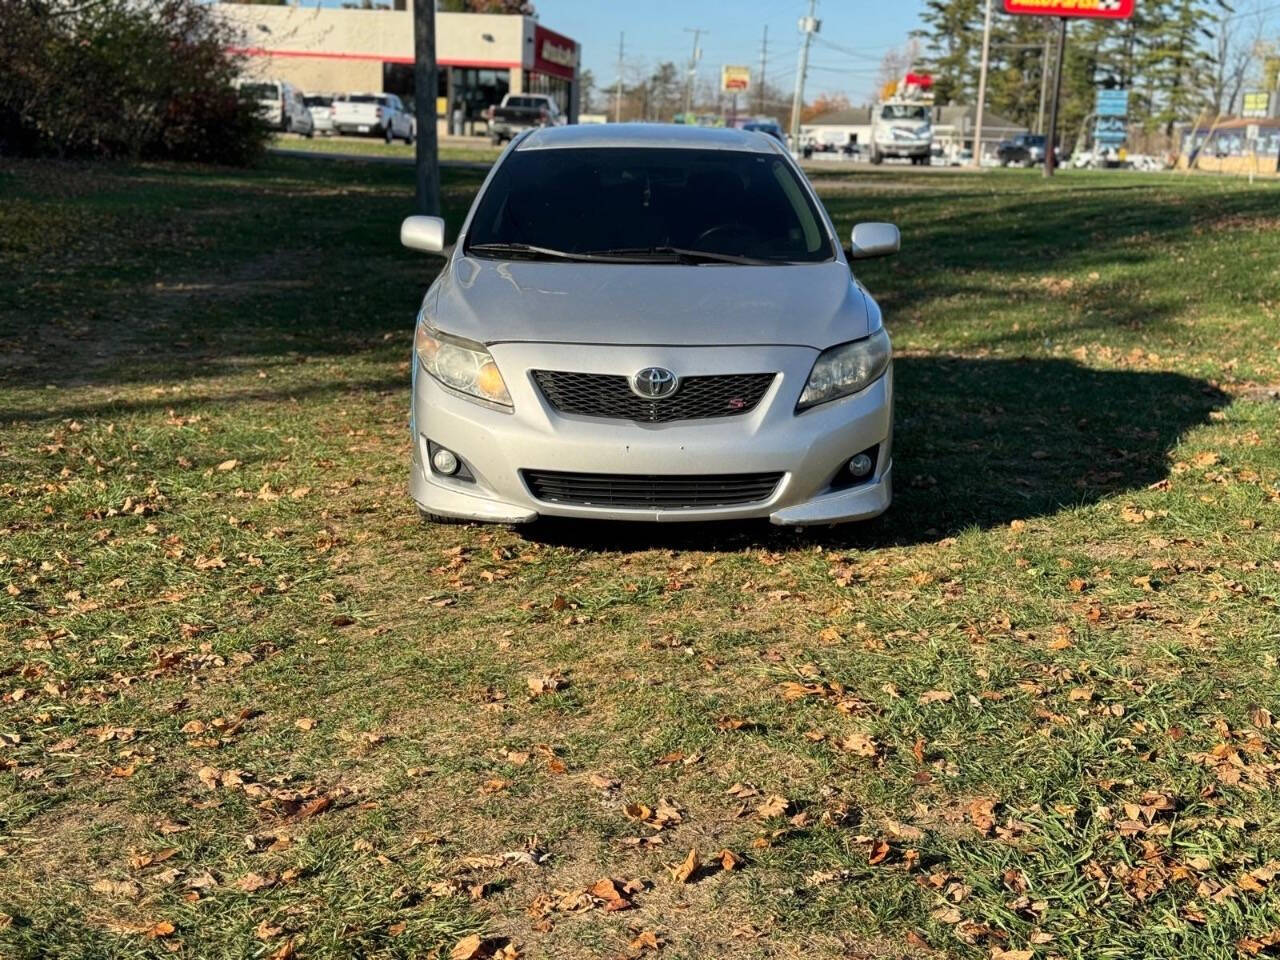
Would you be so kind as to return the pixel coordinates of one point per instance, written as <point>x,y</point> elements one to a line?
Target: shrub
<point>144,79</point>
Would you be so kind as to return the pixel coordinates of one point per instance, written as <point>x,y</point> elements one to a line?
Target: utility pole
<point>693,69</point>
<point>982,88</point>
<point>764,59</point>
<point>617,94</point>
<point>1050,144</point>
<point>1044,80</point>
<point>426,171</point>
<point>808,26</point>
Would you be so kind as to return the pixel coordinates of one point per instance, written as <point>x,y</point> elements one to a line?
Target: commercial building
<point>481,56</point>
<point>954,128</point>
<point>1241,146</point>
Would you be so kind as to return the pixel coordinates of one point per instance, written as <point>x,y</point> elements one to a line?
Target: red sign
<point>554,53</point>
<point>1094,9</point>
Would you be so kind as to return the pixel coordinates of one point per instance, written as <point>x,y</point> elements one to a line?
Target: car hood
<point>497,301</point>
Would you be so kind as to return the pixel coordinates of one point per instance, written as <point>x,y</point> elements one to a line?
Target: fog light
<point>445,461</point>
<point>859,466</point>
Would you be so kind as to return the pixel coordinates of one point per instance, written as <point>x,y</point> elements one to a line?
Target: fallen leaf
<point>859,744</point>
<point>646,940</point>
<point>684,871</point>
<point>773,806</point>
<point>467,948</point>
<point>936,696</point>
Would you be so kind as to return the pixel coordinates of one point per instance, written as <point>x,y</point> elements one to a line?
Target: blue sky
<point>655,32</point>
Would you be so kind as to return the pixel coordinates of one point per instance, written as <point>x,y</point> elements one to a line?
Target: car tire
<point>429,519</point>
<point>388,134</point>
<point>408,138</point>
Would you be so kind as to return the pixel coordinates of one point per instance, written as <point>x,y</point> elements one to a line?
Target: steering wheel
<point>731,229</point>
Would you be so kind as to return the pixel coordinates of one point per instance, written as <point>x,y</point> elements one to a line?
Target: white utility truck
<point>903,123</point>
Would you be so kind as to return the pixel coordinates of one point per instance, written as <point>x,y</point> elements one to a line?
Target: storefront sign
<point>735,79</point>
<point>1110,131</point>
<point>1256,104</point>
<point>554,54</point>
<point>1093,9</point>
<point>1113,103</point>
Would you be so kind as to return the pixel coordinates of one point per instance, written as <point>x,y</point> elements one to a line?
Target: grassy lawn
<point>450,152</point>
<point>250,707</point>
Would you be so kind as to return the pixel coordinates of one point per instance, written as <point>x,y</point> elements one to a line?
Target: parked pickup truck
<point>520,111</point>
<point>373,114</point>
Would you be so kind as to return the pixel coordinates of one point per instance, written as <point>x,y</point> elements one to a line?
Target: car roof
<point>668,135</point>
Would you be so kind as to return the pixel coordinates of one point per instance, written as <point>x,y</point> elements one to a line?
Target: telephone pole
<point>982,88</point>
<point>1044,81</point>
<point>617,94</point>
<point>693,69</point>
<point>808,26</point>
<point>1050,143</point>
<point>764,59</point>
<point>426,173</point>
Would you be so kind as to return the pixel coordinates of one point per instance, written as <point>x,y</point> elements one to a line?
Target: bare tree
<point>1237,47</point>
<point>898,61</point>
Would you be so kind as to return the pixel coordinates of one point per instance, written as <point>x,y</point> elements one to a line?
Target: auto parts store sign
<point>1098,9</point>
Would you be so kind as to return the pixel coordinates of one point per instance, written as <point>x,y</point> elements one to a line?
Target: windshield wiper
<point>533,252</point>
<point>680,255</point>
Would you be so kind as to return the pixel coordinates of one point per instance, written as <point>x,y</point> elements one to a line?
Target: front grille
<point>610,395</point>
<point>668,492</point>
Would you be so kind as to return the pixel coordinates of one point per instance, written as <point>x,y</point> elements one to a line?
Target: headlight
<point>460,365</point>
<point>846,369</point>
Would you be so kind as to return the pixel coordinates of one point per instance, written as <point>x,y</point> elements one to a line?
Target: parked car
<point>1026,150</point>
<point>961,158</point>
<point>280,104</point>
<point>655,323</point>
<point>373,114</point>
<point>320,106</point>
<point>519,112</point>
<point>771,129</point>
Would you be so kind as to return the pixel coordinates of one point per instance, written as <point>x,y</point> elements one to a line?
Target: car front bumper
<point>809,450</point>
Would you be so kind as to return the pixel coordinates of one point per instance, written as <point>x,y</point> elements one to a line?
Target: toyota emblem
<point>654,383</point>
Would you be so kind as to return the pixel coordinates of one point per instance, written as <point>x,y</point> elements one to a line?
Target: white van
<point>280,104</point>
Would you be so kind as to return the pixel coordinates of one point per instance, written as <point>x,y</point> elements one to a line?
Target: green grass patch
<point>248,705</point>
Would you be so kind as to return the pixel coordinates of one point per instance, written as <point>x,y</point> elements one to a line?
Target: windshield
<point>903,111</point>
<point>260,91</point>
<point>366,98</point>
<point>319,101</point>
<point>602,200</point>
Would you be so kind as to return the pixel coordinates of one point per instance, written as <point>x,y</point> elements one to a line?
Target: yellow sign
<point>1256,104</point>
<point>735,79</point>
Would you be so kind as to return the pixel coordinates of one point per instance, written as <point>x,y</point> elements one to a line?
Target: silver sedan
<point>652,323</point>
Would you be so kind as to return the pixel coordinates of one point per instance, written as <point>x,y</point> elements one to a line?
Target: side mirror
<point>423,233</point>
<point>874,240</point>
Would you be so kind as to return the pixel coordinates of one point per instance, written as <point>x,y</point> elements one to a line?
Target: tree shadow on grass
<point>978,442</point>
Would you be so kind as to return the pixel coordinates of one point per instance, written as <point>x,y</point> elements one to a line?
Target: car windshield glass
<point>902,111</point>
<point>367,98</point>
<point>630,201</point>
<point>319,101</point>
<point>260,91</point>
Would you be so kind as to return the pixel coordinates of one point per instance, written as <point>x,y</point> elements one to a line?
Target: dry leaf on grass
<point>773,806</point>
<point>684,871</point>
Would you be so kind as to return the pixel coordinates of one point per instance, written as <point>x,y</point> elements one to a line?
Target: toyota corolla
<point>652,323</point>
